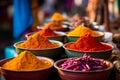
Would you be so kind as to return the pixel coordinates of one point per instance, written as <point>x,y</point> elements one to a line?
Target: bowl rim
<point>55,41</point>
<point>42,27</point>
<point>60,34</point>
<point>64,46</point>
<point>100,32</point>
<point>68,70</point>
<point>44,58</point>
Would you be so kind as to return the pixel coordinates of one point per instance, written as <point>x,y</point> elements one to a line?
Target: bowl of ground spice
<point>79,31</point>
<point>50,34</point>
<point>56,26</point>
<point>58,17</point>
<point>26,66</point>
<point>83,68</point>
<point>40,46</point>
<point>90,45</point>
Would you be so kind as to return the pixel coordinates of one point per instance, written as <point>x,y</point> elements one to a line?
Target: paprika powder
<point>88,43</point>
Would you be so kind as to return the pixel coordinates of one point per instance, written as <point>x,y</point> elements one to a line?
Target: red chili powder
<point>88,43</point>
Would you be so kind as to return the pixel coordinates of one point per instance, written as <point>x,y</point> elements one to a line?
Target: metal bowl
<point>41,74</point>
<point>83,75</point>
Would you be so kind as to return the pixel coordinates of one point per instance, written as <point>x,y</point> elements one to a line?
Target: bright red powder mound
<point>88,43</point>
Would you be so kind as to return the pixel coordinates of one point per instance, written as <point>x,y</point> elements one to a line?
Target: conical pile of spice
<point>48,32</point>
<point>82,30</point>
<point>26,61</point>
<point>36,41</point>
<point>88,43</point>
<point>54,25</point>
<point>58,17</point>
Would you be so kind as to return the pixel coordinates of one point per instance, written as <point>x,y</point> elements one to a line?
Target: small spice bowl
<point>61,36</point>
<point>74,38</point>
<point>41,74</point>
<point>65,28</point>
<point>105,54</point>
<point>83,75</point>
<point>48,52</point>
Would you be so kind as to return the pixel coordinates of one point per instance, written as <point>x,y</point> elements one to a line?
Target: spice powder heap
<point>26,61</point>
<point>58,17</point>
<point>48,32</point>
<point>88,43</point>
<point>54,25</point>
<point>82,30</point>
<point>36,41</point>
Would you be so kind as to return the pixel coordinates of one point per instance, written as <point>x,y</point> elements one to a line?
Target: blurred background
<point>17,17</point>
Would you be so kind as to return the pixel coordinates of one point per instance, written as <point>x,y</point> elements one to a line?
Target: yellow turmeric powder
<point>36,41</point>
<point>58,17</point>
<point>82,31</point>
<point>26,61</point>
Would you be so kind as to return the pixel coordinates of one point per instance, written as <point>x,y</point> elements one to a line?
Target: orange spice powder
<point>26,61</point>
<point>36,41</point>
<point>82,30</point>
<point>48,32</point>
<point>58,17</point>
<point>54,25</point>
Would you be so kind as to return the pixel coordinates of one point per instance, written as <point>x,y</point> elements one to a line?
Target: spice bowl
<point>74,38</point>
<point>41,74</point>
<point>66,74</point>
<point>105,54</point>
<point>61,36</point>
<point>65,28</point>
<point>48,52</point>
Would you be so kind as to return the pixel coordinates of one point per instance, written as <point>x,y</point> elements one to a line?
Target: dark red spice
<point>88,43</point>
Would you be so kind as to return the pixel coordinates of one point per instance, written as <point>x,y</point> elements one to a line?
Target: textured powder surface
<point>88,43</point>
<point>48,32</point>
<point>81,31</point>
<point>26,61</point>
<point>58,17</point>
<point>36,41</point>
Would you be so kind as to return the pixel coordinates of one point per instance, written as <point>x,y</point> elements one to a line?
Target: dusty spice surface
<point>88,43</point>
<point>82,30</point>
<point>58,17</point>
<point>36,41</point>
<point>26,61</point>
<point>48,32</point>
<point>54,25</point>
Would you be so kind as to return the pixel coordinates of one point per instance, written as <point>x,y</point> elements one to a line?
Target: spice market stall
<point>53,52</point>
